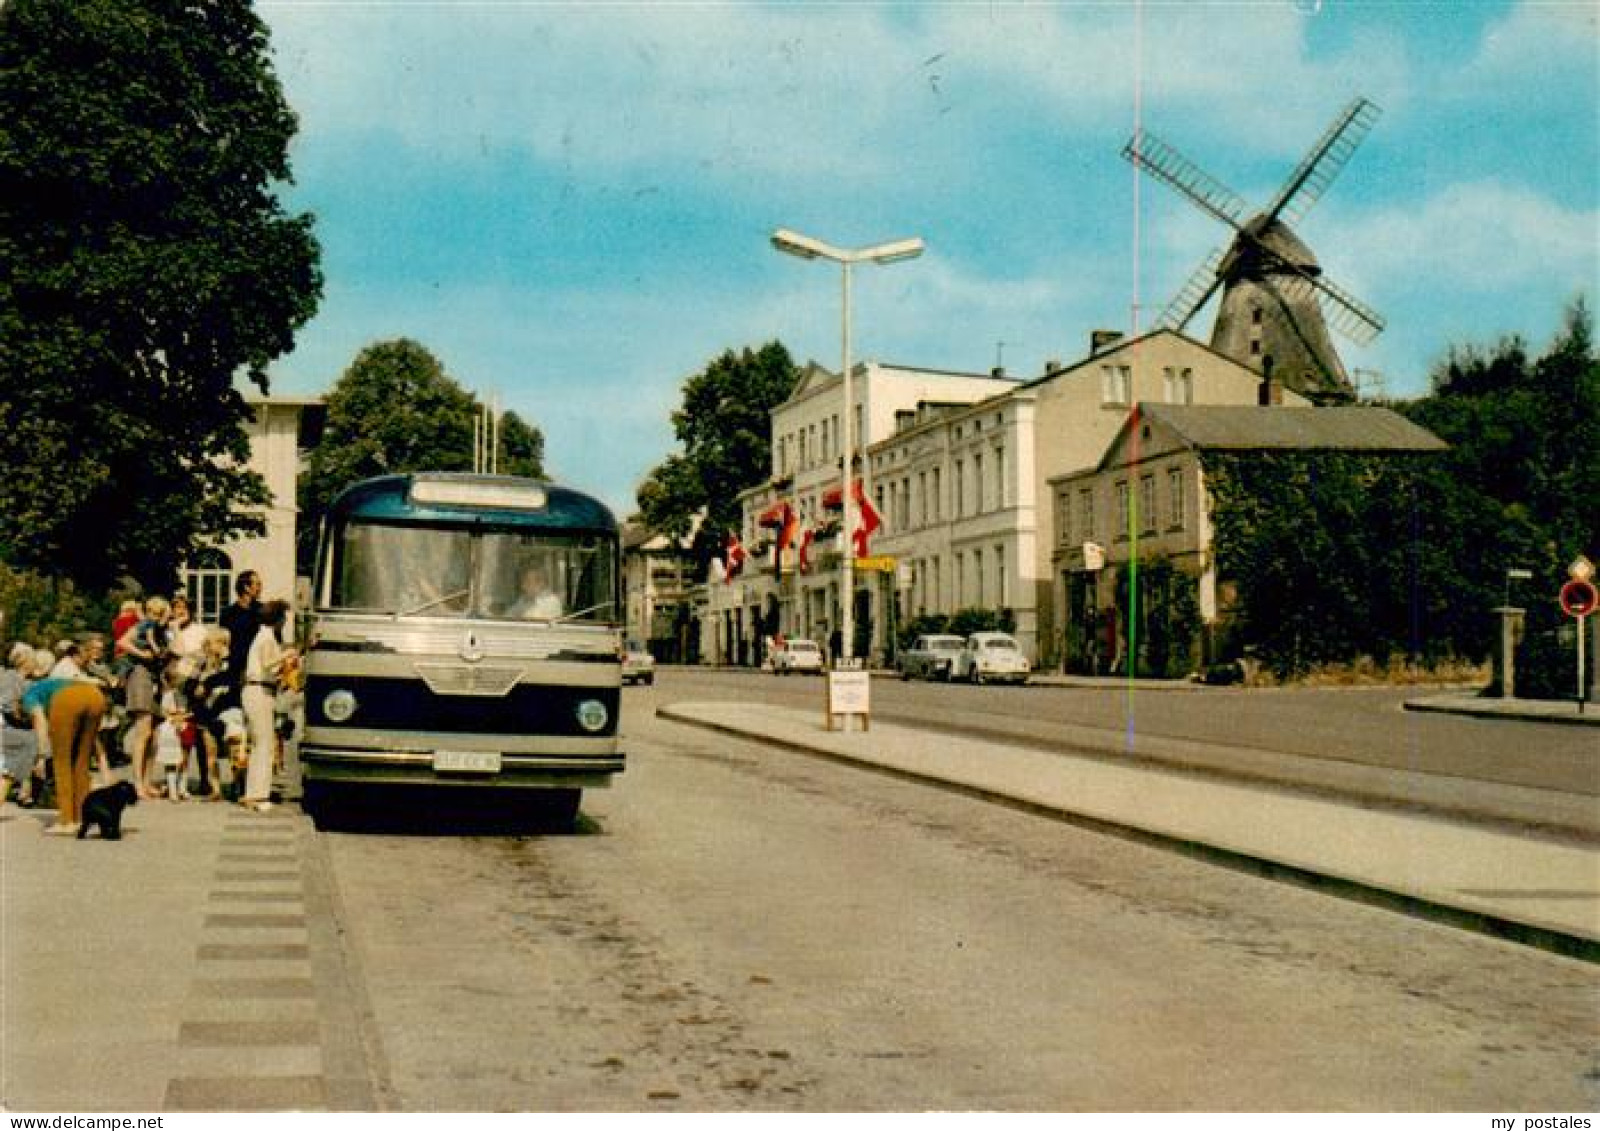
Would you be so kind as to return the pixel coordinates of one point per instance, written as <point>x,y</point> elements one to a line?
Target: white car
<point>638,665</point>
<point>990,657</point>
<point>797,656</point>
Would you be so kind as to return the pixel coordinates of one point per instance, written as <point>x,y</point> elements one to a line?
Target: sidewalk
<point>1530,710</point>
<point>187,967</point>
<point>1531,890</point>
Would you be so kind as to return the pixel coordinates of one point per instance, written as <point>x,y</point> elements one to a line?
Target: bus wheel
<point>317,802</point>
<point>557,809</point>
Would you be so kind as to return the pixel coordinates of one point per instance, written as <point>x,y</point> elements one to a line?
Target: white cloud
<point>1480,237</point>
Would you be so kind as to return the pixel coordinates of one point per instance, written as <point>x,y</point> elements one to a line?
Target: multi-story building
<point>280,430</point>
<point>958,469</point>
<point>773,594</point>
<point>658,580</point>
<point>1146,500</point>
<point>965,492</point>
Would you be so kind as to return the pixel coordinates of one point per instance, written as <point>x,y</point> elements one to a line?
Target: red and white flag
<point>869,522</point>
<point>732,557</point>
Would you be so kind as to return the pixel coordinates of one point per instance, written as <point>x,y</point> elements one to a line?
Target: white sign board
<point>849,693</point>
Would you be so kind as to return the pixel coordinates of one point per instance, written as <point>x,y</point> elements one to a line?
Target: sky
<point>571,204</point>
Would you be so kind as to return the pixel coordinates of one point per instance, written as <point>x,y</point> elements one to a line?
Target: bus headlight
<point>339,706</point>
<point>593,716</point>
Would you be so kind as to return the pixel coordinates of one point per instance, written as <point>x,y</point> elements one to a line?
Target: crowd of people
<point>192,710</point>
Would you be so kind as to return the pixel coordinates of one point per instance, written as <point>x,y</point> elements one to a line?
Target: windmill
<point>1276,303</point>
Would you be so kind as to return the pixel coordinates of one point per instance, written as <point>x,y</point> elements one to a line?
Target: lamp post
<point>804,247</point>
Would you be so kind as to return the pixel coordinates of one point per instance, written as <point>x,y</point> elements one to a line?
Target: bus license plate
<point>466,761</point>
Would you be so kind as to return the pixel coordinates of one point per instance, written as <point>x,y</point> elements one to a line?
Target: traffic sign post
<point>1578,600</point>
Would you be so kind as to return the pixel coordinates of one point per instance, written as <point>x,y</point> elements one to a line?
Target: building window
<point>958,488</point>
<point>1000,478</point>
<point>977,578</point>
<point>1147,504</point>
<point>934,497</point>
<point>1064,519</point>
<point>1122,508</point>
<point>960,581</point>
<point>1086,514</point>
<point>1116,381</point>
<point>1175,502</point>
<point>208,580</point>
<point>1000,577</point>
<point>1179,385</point>
<point>977,484</point>
<point>922,498</point>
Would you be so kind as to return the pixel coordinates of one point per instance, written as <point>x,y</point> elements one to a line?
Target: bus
<point>466,631</point>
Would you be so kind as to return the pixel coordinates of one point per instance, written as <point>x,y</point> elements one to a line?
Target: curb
<point>1552,939</point>
<point>1486,710</point>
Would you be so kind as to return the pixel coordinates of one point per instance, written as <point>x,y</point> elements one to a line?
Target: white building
<point>807,440</point>
<point>280,429</point>
<point>958,467</point>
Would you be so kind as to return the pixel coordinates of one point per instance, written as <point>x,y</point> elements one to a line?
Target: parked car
<point>638,665</point>
<point>930,657</point>
<point>797,656</point>
<point>990,657</point>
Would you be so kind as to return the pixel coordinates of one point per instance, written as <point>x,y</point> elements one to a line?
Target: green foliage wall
<point>1341,556</point>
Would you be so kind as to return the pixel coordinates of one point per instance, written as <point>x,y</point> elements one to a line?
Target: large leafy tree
<point>1340,556</point>
<point>146,261</point>
<point>394,410</point>
<point>724,428</point>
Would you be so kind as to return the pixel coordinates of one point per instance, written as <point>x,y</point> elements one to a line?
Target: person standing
<point>71,709</point>
<point>241,619</point>
<point>147,645</point>
<point>18,750</point>
<point>263,672</point>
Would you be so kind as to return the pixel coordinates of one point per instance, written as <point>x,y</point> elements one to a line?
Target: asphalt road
<point>1357,726</point>
<point>737,928</point>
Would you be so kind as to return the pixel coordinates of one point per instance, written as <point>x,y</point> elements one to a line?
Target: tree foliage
<point>1339,556</point>
<point>145,262</point>
<point>724,427</point>
<point>395,410</point>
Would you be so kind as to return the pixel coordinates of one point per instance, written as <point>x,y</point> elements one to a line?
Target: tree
<point>725,428</point>
<point>1339,556</point>
<point>145,262</point>
<point>394,410</point>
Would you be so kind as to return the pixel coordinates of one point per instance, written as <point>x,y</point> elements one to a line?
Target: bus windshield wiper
<point>582,612</point>
<point>426,605</point>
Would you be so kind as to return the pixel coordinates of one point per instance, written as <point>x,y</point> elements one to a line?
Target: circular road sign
<point>1578,598</point>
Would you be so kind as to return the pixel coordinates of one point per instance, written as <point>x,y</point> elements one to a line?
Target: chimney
<point>1271,391</point>
<point>1053,365</point>
<point>998,372</point>
<point>1100,340</point>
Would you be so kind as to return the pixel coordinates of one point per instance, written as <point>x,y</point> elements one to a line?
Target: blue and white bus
<point>466,631</point>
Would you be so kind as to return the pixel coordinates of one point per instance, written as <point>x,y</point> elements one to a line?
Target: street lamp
<point>804,247</point>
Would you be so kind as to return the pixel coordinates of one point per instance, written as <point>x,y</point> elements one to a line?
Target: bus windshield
<point>433,571</point>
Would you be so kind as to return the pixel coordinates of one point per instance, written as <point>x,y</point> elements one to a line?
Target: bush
<point>1547,665</point>
<point>41,610</point>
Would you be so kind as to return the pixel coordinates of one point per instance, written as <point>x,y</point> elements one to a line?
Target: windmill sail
<point>1277,307</point>
<point>1163,162</point>
<point>1326,160</point>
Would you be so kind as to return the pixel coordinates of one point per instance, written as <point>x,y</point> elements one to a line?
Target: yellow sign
<point>881,564</point>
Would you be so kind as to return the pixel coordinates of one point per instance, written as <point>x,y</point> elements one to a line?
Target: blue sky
<point>570,204</point>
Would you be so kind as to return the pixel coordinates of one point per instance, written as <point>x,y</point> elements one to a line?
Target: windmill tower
<point>1276,303</point>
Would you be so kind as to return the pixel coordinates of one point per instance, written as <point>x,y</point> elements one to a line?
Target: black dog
<point>104,807</point>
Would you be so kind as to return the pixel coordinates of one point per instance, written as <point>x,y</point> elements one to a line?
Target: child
<point>169,748</point>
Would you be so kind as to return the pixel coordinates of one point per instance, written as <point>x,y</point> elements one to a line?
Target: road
<point>737,928</point>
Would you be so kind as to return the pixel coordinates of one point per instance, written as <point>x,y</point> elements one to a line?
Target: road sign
<point>880,564</point>
<point>1581,569</point>
<point>1579,598</point>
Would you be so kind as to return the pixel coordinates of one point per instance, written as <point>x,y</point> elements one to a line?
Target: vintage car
<point>638,665</point>
<point>990,657</point>
<point>797,656</point>
<point>930,657</point>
